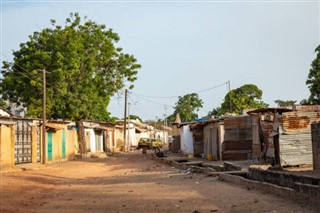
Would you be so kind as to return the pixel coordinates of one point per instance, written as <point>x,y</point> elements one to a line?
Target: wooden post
<point>44,148</point>
<point>125,121</point>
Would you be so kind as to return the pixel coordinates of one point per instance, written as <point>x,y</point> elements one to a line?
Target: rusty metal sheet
<point>238,134</point>
<point>313,108</point>
<point>240,122</point>
<point>299,122</point>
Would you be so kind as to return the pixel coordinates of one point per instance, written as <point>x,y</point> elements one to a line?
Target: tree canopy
<point>84,67</point>
<point>313,80</point>
<point>287,103</point>
<point>244,97</point>
<point>187,106</point>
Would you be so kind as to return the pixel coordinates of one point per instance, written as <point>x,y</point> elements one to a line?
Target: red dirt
<point>130,183</point>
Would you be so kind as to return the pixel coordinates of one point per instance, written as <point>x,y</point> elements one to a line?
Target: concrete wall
<point>72,143</point>
<point>6,147</point>
<point>90,140</point>
<point>186,140</point>
<point>316,145</point>
<point>303,184</point>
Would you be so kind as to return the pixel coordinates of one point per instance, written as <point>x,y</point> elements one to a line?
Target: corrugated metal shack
<point>213,136</point>
<point>268,121</point>
<point>285,135</point>
<point>295,146</point>
<point>197,133</point>
<point>238,138</point>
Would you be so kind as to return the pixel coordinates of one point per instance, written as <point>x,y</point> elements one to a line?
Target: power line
<point>177,96</point>
<point>141,97</point>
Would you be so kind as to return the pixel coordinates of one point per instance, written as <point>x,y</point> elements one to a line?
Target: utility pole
<point>165,124</point>
<point>129,127</point>
<point>125,120</point>
<point>230,102</point>
<point>44,150</point>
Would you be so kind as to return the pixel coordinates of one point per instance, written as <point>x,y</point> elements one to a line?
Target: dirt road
<point>130,183</point>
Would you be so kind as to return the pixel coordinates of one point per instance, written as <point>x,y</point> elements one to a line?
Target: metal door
<point>63,143</point>
<point>49,146</point>
<point>23,143</point>
<point>38,144</point>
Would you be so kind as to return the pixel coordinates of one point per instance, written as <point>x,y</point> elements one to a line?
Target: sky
<point>190,46</point>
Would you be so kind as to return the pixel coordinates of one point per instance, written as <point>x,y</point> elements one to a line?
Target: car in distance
<point>149,143</point>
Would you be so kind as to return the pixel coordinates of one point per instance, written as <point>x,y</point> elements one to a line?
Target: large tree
<point>244,97</point>
<point>313,80</point>
<point>285,103</point>
<point>187,106</point>
<point>85,68</point>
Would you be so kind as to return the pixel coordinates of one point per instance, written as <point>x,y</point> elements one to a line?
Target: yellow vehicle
<point>144,142</point>
<point>149,143</point>
<point>156,143</point>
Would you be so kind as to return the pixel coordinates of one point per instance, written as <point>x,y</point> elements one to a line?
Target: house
<point>26,138</point>
<point>61,141</point>
<point>99,135</point>
<point>21,141</point>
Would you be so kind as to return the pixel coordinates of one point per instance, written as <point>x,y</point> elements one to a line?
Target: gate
<point>23,143</point>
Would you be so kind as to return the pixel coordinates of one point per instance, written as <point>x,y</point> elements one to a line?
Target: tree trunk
<point>81,137</point>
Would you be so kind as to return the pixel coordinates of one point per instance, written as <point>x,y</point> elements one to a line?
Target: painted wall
<point>72,143</point>
<point>61,144</point>
<point>6,147</point>
<point>131,134</point>
<point>186,140</point>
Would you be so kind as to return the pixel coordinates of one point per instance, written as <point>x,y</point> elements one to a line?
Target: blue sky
<point>190,46</point>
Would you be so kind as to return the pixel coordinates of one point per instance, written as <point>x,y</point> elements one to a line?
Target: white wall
<point>131,134</point>
<point>92,139</point>
<point>186,140</point>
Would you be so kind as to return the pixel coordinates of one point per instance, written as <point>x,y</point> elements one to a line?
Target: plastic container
<point>190,156</point>
<point>210,157</point>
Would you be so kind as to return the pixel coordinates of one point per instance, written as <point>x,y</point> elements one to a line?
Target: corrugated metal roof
<point>6,123</point>
<point>264,110</point>
<point>55,126</point>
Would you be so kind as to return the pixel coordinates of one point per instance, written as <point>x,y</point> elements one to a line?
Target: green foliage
<point>282,103</point>
<point>305,102</point>
<point>187,106</point>
<point>3,104</point>
<point>84,66</point>
<point>215,112</point>
<point>313,80</point>
<point>244,97</point>
<point>135,117</point>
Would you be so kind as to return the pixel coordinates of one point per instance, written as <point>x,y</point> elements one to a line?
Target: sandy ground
<point>130,183</point>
